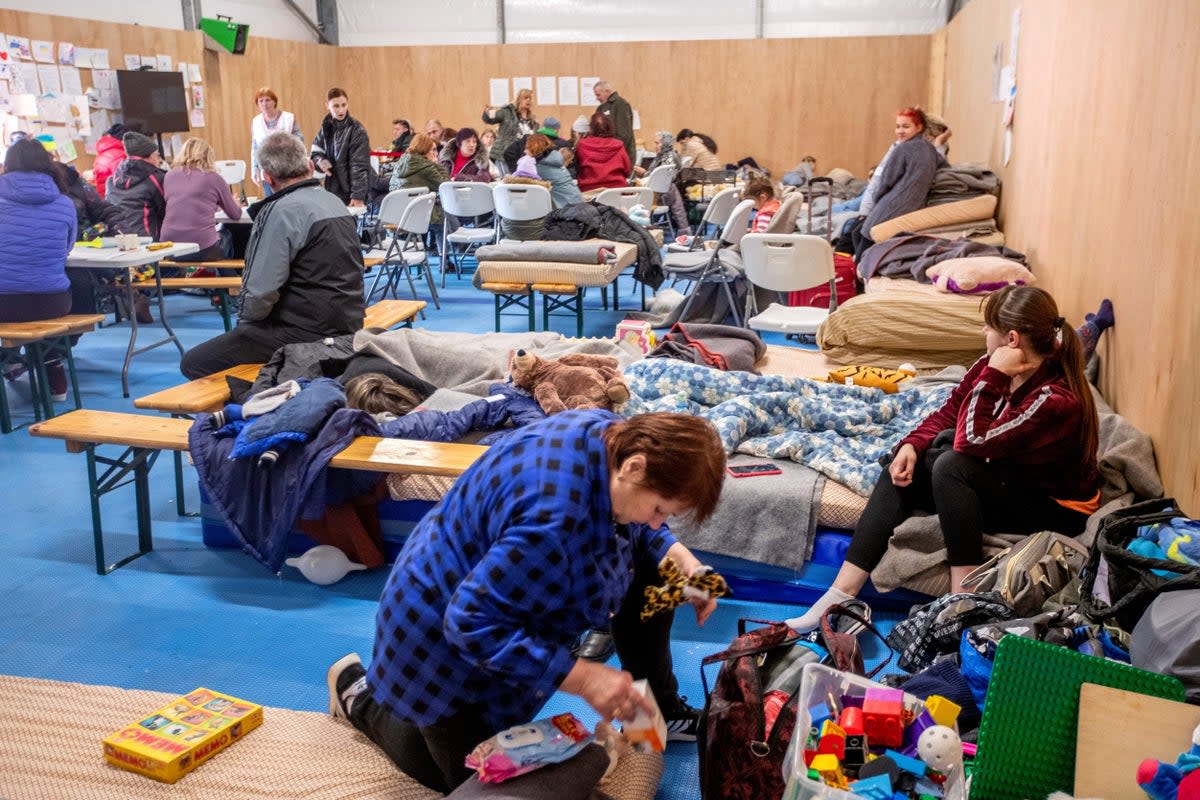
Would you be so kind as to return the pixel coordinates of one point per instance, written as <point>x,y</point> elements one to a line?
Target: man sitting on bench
<point>303,279</point>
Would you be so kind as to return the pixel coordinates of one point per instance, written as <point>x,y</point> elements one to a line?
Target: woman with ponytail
<point>1024,432</point>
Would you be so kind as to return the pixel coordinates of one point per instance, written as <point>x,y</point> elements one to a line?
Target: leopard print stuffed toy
<point>705,583</point>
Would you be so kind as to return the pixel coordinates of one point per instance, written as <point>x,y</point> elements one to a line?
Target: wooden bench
<point>36,337</point>
<point>222,286</point>
<point>238,263</point>
<point>144,437</point>
<point>212,391</point>
<point>511,294</point>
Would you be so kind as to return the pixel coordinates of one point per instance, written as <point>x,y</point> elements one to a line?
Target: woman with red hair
<point>902,180</point>
<point>271,118</point>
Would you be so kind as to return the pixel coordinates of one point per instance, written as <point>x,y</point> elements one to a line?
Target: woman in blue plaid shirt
<point>555,530</point>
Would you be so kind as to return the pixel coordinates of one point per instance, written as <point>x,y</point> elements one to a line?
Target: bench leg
<point>136,461</point>
<point>223,297</point>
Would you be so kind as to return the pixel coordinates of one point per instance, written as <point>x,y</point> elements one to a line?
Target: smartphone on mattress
<point>752,470</point>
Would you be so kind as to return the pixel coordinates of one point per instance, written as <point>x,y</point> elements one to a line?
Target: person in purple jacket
<point>195,192</point>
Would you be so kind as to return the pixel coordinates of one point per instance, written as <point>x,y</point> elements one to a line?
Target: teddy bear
<point>576,380</point>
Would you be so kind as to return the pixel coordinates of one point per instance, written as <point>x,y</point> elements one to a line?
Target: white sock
<point>811,619</point>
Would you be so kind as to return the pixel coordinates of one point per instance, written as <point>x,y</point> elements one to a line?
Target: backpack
<point>1028,573</point>
<point>845,278</point>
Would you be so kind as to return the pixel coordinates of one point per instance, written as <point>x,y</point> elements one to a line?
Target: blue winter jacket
<point>37,230</point>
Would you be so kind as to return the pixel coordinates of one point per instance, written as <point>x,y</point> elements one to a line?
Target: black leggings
<point>969,497</point>
<point>434,754</point>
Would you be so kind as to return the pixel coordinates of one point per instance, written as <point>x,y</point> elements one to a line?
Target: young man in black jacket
<point>303,279</point>
<point>341,151</point>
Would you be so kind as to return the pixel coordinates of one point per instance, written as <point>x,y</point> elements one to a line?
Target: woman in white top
<point>271,119</point>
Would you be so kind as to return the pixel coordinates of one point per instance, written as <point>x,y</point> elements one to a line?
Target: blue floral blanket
<point>840,431</point>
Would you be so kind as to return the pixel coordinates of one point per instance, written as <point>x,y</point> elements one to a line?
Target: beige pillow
<point>981,207</point>
<point>978,274</point>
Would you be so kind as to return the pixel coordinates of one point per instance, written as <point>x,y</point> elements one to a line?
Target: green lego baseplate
<point>1027,736</point>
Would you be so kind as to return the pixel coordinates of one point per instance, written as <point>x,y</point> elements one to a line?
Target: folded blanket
<point>722,346</point>
<point>564,252</point>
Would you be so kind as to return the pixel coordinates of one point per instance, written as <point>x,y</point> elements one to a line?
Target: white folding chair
<point>233,172</point>
<point>521,202</point>
<point>787,262</point>
<point>406,249</point>
<point>715,214</point>
<point>391,209</point>
<point>722,264</point>
<point>659,181</point>
<point>467,202</point>
<point>626,198</point>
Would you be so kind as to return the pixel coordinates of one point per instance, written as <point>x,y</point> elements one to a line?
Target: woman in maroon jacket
<point>1024,431</point>
<point>603,162</point>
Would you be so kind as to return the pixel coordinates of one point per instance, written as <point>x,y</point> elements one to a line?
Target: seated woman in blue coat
<point>555,530</point>
<point>37,231</point>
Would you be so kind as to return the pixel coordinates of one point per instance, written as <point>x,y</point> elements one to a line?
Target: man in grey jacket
<point>618,109</point>
<point>303,279</point>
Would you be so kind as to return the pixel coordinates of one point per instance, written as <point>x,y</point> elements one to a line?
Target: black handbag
<point>1117,583</point>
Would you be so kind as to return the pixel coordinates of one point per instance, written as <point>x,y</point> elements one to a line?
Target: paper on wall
<point>104,79</point>
<point>49,77</point>
<point>181,68</point>
<point>5,97</point>
<point>637,120</point>
<point>133,62</point>
<point>5,66</point>
<point>81,118</point>
<point>162,63</point>
<point>149,61</point>
<point>197,97</point>
<point>24,79</point>
<point>18,47</point>
<point>521,83</point>
<point>43,51</point>
<point>66,53</point>
<point>72,84</point>
<point>196,117</point>
<point>497,92</point>
<point>53,109</point>
<point>587,90</point>
<point>91,57</point>
<point>24,105</point>
<point>547,94</point>
<point>194,75</point>
<point>568,91</point>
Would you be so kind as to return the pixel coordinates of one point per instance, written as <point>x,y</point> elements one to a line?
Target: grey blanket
<point>566,252</point>
<point>910,255</point>
<point>770,519</point>
<point>916,556</point>
<point>960,181</point>
<point>471,363</point>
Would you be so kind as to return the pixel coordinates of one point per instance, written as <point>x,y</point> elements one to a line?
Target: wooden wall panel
<point>1100,191</point>
<point>295,70</point>
<point>775,99</point>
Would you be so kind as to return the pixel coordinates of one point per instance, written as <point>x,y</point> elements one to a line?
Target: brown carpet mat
<point>50,735</point>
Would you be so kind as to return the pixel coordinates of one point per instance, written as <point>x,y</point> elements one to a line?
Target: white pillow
<point>978,274</point>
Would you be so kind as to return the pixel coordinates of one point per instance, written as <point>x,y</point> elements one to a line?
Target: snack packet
<point>524,748</point>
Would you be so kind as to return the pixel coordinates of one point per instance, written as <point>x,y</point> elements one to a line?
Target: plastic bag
<point>524,748</point>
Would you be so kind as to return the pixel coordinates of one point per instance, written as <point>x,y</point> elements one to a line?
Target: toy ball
<point>324,564</point>
<point>940,748</point>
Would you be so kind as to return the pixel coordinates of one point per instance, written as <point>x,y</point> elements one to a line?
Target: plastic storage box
<point>818,682</point>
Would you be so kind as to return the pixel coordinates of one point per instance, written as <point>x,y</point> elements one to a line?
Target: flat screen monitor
<point>153,102</point>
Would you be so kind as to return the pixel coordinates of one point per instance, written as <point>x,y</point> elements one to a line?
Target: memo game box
<point>182,735</point>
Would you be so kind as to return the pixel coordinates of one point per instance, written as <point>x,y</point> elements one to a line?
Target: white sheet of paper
<point>497,92</point>
<point>53,109</point>
<point>49,77</point>
<point>150,61</point>
<point>43,51</point>
<point>587,91</point>
<point>547,90</point>
<point>72,84</point>
<point>518,84</point>
<point>5,68</point>
<point>81,118</point>
<point>182,68</point>
<point>100,58</point>
<point>18,47</point>
<point>637,120</point>
<point>194,75</point>
<point>104,79</point>
<point>25,79</point>
<point>133,62</point>
<point>5,97</point>
<point>568,91</point>
<point>197,97</point>
<point>163,63</point>
<point>66,54</point>
<point>196,117</point>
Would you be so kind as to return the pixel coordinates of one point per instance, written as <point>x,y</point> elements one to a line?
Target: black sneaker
<point>346,680</point>
<point>683,722</point>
